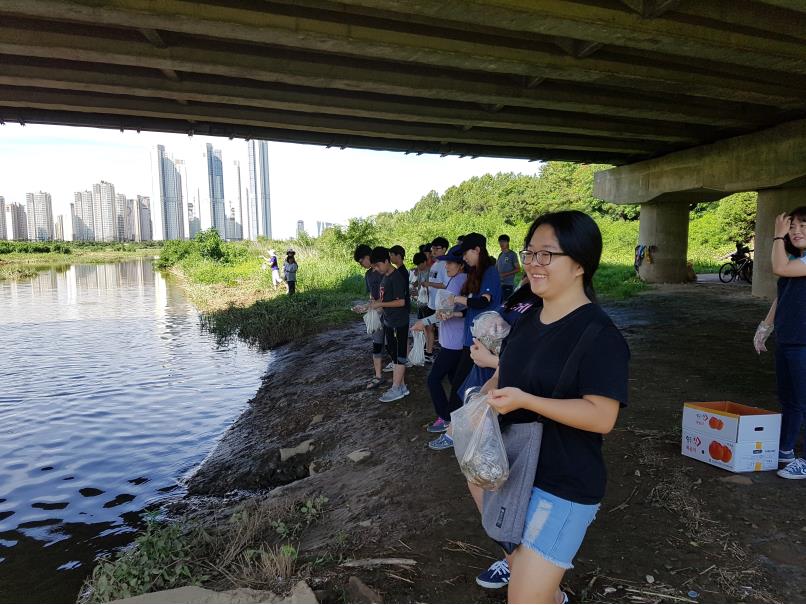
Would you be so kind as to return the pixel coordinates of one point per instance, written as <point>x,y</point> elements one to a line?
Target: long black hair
<point>800,214</point>
<point>579,237</point>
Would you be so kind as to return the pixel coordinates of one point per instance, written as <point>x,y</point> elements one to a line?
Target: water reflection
<point>110,393</point>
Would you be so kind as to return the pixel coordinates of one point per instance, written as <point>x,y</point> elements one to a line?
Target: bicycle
<point>737,269</point>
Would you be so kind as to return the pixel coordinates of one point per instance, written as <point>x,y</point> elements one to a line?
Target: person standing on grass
<point>394,303</point>
<point>451,339</point>
<point>290,270</point>
<point>437,280</point>
<point>787,316</point>
<point>508,267</point>
<point>372,280</point>
<point>562,254</point>
<point>275,269</point>
<point>481,292</point>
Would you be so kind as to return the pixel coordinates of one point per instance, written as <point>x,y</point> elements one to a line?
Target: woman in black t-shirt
<point>562,254</point>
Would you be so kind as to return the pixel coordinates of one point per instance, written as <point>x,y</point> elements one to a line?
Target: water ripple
<point>110,393</point>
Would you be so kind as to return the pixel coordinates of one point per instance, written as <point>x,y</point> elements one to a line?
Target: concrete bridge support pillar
<point>664,226</point>
<point>771,203</point>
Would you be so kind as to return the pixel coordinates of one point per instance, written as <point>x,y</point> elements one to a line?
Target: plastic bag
<point>465,420</point>
<point>491,329</point>
<point>372,319</point>
<point>444,304</point>
<point>422,295</point>
<point>417,353</point>
<point>484,462</point>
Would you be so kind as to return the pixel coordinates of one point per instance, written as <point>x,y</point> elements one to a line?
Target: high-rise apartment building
<point>168,185</point>
<point>194,222</point>
<point>131,222</point>
<point>215,179</point>
<point>259,190</point>
<point>321,226</point>
<point>239,227</point>
<point>59,228</point>
<point>146,232</point>
<point>105,212</point>
<point>39,207</point>
<point>300,228</point>
<point>83,214</point>
<point>19,222</point>
<point>3,234</point>
<point>120,217</point>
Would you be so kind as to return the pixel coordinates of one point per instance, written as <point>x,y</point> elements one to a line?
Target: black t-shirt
<point>571,465</point>
<point>373,281</point>
<point>394,287</point>
<point>405,273</point>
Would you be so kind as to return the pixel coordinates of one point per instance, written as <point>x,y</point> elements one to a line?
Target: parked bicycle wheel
<point>747,272</point>
<point>727,273</point>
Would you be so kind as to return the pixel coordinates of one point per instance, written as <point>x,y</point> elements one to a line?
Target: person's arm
<point>474,302</point>
<point>592,413</point>
<point>764,329</point>
<point>781,265</point>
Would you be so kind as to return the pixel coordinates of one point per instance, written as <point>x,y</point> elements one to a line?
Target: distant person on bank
<point>290,270</point>
<point>787,316</point>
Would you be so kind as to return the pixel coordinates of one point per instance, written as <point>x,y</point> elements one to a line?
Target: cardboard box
<point>732,436</point>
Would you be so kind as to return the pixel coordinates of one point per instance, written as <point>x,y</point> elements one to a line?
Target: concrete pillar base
<point>771,203</point>
<point>664,226</point>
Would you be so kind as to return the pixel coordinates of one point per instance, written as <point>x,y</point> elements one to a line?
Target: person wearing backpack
<point>563,250</point>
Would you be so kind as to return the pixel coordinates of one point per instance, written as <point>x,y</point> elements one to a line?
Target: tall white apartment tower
<point>215,179</point>
<point>40,216</point>
<point>144,215</point>
<point>3,235</point>
<point>259,200</point>
<point>19,222</point>
<point>169,189</point>
<point>104,212</point>
<point>83,211</point>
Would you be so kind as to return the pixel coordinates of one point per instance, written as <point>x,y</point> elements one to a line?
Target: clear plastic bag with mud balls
<point>482,456</point>
<point>491,329</point>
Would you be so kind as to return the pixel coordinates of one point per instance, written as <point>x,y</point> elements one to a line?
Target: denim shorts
<point>555,527</point>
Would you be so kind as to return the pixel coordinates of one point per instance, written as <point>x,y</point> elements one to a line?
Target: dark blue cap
<point>454,255</point>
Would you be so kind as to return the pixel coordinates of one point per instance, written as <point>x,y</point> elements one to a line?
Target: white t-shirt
<point>437,273</point>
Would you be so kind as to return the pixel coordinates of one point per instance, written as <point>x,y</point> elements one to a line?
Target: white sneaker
<point>389,367</point>
<point>794,470</point>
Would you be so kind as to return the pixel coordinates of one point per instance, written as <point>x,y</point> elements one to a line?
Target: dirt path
<point>668,526</point>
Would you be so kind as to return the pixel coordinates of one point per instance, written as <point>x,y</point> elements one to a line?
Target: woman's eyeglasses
<point>542,257</point>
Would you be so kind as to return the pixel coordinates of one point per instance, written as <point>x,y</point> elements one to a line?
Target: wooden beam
<point>363,41</point>
<point>336,73</point>
<point>264,118</point>
<point>153,36</point>
<point>601,23</point>
<point>70,118</point>
<point>649,9</point>
<point>251,94</point>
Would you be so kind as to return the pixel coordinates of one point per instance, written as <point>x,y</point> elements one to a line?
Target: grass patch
<point>252,545</point>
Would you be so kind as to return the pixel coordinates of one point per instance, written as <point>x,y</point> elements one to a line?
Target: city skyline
<point>310,182</point>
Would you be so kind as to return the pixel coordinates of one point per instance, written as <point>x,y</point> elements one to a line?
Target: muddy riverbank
<point>670,528</point>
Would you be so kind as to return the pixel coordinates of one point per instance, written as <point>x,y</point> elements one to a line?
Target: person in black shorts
<point>372,280</point>
<point>394,302</point>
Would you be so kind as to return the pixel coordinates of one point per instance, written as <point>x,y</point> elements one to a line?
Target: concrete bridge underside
<point>633,83</point>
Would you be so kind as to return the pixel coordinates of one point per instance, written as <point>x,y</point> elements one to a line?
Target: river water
<point>111,393</point>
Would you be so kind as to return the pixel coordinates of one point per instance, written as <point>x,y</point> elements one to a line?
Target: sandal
<point>375,382</point>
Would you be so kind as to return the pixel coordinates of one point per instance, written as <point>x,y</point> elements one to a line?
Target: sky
<point>308,182</point>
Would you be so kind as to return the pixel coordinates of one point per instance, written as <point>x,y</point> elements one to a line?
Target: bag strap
<point>571,367</point>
